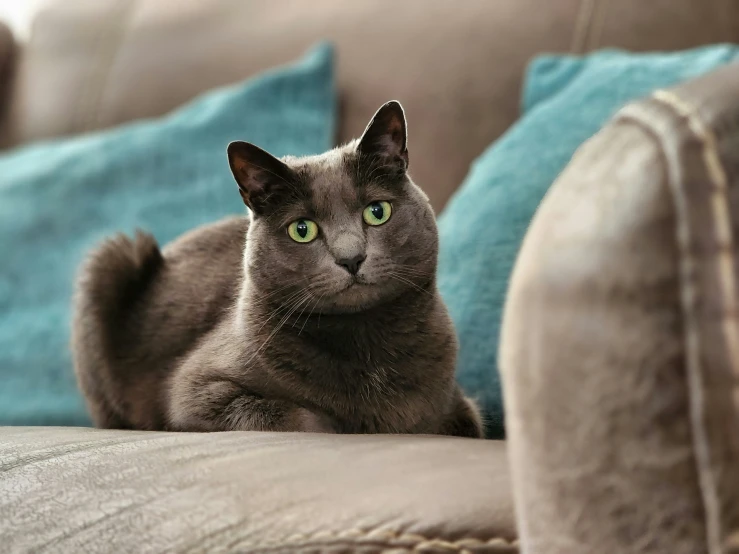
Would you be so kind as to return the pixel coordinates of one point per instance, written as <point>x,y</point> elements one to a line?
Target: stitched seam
<point>113,59</point>
<point>722,224</point>
<point>417,542</point>
<point>77,121</point>
<point>685,265</point>
<point>582,26</point>
<point>598,23</point>
<point>107,46</point>
<point>724,261</point>
<point>733,17</point>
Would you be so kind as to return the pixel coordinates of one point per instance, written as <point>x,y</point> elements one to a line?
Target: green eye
<point>303,230</point>
<point>377,213</point>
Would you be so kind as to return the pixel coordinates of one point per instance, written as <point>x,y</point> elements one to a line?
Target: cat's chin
<point>356,297</point>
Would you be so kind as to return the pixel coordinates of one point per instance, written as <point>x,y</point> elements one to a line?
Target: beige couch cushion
<point>456,67</point>
<point>83,490</point>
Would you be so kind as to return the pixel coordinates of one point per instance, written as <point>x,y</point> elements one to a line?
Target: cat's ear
<point>260,176</point>
<point>386,138</point>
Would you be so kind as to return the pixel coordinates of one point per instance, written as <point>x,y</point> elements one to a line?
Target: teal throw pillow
<point>168,175</point>
<point>565,101</point>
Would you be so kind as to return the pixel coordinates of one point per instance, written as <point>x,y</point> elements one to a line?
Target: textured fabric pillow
<point>166,175</point>
<point>566,100</point>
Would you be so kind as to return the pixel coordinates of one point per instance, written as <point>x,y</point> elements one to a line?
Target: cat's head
<point>342,231</point>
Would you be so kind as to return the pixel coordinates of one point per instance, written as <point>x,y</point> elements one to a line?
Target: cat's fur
<point>235,326</point>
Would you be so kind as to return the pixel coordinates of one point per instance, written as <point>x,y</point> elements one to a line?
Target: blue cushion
<point>565,101</point>
<point>166,175</point>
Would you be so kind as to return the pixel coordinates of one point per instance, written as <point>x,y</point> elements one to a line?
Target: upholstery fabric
<point>167,176</point>
<point>566,99</point>
<point>84,490</point>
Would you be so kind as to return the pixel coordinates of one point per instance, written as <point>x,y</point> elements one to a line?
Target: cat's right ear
<point>386,137</point>
<point>259,174</point>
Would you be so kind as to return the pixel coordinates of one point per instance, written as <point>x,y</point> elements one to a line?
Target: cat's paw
<point>312,422</point>
<point>465,420</point>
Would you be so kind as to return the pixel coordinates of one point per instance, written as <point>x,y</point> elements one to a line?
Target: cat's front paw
<point>312,422</point>
<point>464,420</point>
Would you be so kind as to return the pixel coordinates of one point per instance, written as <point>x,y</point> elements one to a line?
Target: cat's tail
<point>116,273</point>
<point>115,276</point>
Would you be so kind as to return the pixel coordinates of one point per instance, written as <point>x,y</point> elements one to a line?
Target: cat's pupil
<point>377,211</point>
<point>302,228</point>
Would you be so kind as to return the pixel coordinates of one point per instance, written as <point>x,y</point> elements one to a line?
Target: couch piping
<point>107,44</point>
<point>582,24</point>
<point>725,267</point>
<point>410,542</point>
<point>589,25</point>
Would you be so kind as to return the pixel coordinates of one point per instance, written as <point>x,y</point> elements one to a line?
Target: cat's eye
<point>377,213</point>
<point>303,230</point>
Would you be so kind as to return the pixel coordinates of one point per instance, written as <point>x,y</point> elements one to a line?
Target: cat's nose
<point>352,264</point>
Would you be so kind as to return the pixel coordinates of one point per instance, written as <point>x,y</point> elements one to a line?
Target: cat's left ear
<point>386,136</point>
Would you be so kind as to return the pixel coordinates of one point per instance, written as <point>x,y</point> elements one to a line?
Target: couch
<point>592,463</point>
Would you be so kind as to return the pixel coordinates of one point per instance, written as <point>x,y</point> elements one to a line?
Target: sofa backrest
<point>456,67</point>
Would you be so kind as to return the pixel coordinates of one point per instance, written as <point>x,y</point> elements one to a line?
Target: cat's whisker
<point>311,313</point>
<point>408,282</point>
<point>278,290</point>
<point>297,319</point>
<point>279,326</point>
<point>288,297</point>
<point>283,306</point>
<point>414,275</point>
<point>304,300</point>
<point>411,270</point>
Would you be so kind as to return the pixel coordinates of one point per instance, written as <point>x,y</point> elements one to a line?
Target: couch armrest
<point>85,490</point>
<point>620,347</point>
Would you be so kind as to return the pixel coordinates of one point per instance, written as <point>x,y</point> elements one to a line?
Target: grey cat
<point>318,312</point>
